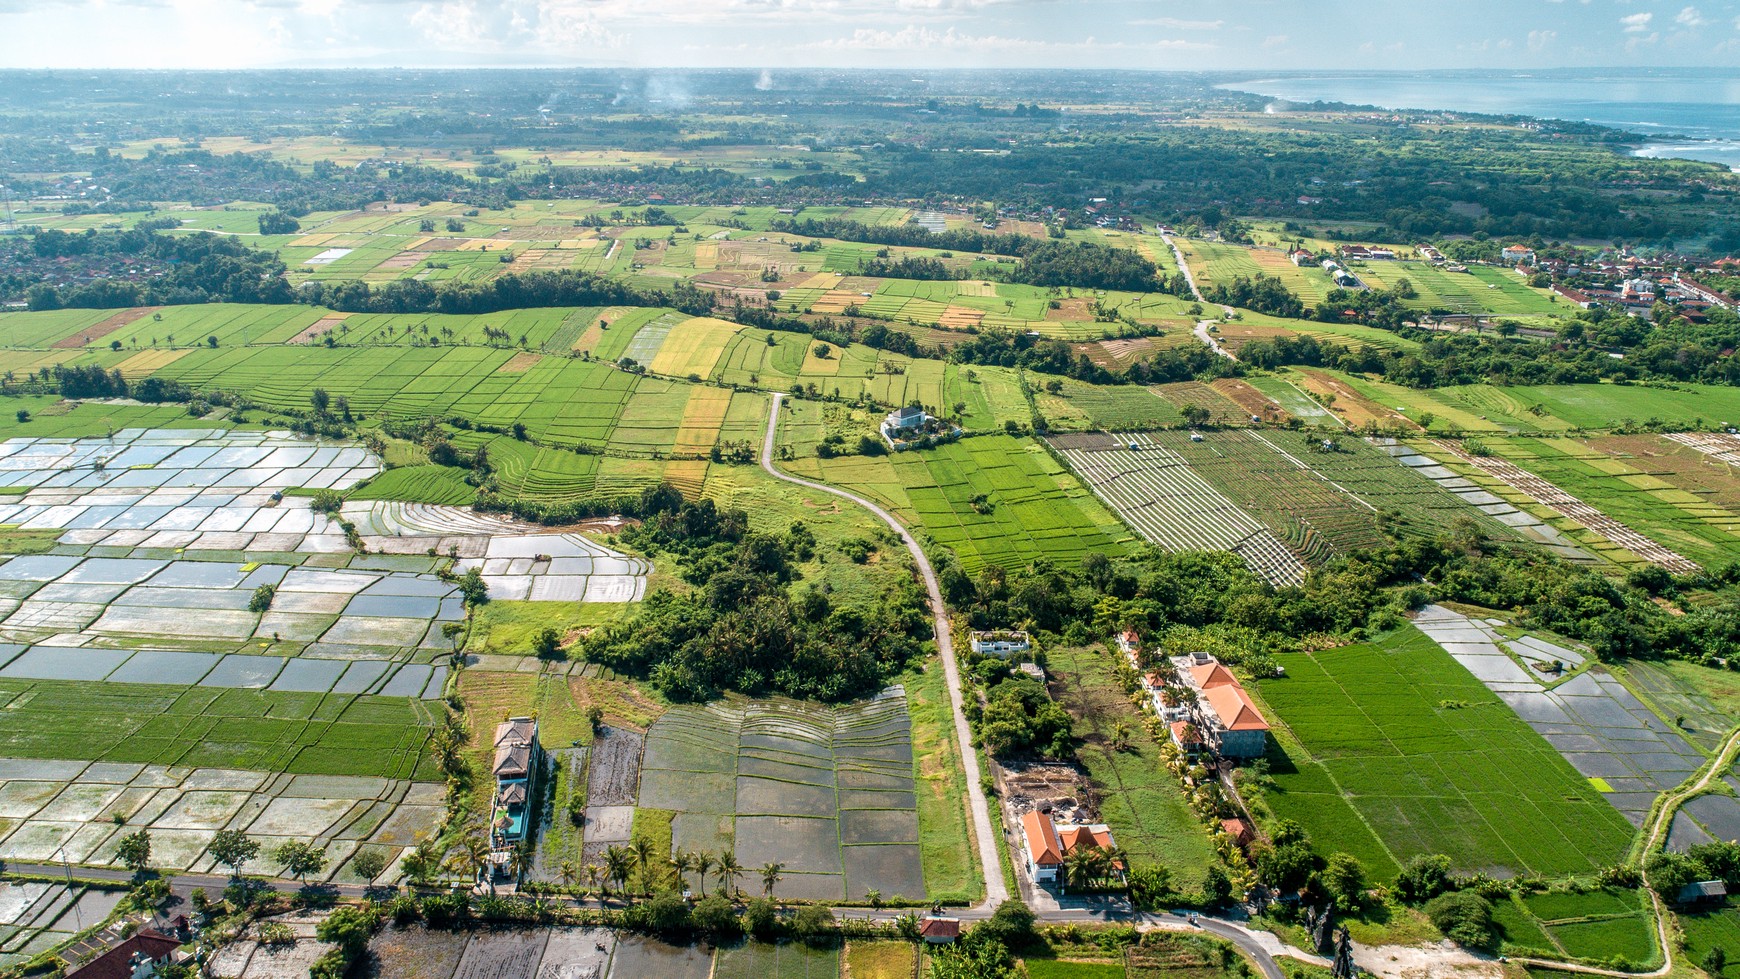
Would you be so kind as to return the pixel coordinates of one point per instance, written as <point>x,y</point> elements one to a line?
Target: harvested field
<point>313,331</point>
<point>1252,402</point>
<point>147,362</point>
<point>498,954</point>
<point>828,792</point>
<point>415,952</point>
<point>615,768</point>
<point>519,363</point>
<point>1354,409</point>
<point>1222,410</point>
<point>96,332</point>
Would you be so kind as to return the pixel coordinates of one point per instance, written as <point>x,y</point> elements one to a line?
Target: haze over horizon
<point>1254,35</point>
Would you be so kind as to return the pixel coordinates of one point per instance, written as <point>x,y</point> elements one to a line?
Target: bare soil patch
<point>106,327</point>
<point>615,776</point>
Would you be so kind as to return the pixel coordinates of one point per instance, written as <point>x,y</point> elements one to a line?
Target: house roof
<point>513,793</point>
<point>515,730</point>
<point>1129,636</point>
<point>1043,847</point>
<point>1234,708</point>
<point>1075,837</point>
<point>907,412</point>
<point>1238,829</point>
<point>1212,675</point>
<point>1518,248</point>
<point>1702,889</point>
<point>116,962</point>
<point>1178,733</point>
<point>940,927</point>
<point>512,760</point>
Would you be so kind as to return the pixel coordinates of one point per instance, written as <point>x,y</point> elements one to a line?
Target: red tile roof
<point>940,928</point>
<point>1234,708</point>
<point>1042,843</point>
<point>116,962</point>
<point>1212,675</point>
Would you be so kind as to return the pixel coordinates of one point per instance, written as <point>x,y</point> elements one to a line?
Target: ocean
<point>1687,113</point>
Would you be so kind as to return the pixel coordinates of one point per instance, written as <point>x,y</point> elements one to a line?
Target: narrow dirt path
<point>1663,820</point>
<point>989,840</point>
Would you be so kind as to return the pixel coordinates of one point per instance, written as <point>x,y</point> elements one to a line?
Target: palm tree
<point>568,874</point>
<point>770,874</point>
<point>682,862</point>
<point>594,875</point>
<point>642,849</point>
<point>703,865</point>
<point>471,860</point>
<point>1120,736</point>
<point>618,862</point>
<point>729,870</point>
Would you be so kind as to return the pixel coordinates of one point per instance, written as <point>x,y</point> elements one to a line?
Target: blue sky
<point>1253,35</point>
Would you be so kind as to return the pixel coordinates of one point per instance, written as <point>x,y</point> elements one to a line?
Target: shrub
<point>1465,918</point>
<point>1424,877</point>
<point>761,918</point>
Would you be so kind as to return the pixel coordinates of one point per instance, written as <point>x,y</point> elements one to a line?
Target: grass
<point>504,628</point>
<point>654,826</point>
<point>945,842</point>
<point>1064,969</point>
<point>880,960</point>
<point>1142,802</point>
<point>19,541</point>
<point>1377,747</point>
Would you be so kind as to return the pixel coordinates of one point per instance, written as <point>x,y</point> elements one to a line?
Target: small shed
<point>1701,892</point>
<point>938,930</point>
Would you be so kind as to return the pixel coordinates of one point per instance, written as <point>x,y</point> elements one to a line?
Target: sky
<point>1256,35</point>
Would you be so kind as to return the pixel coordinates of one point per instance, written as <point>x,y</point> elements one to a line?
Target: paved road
<point>989,839</point>
<point>1202,326</point>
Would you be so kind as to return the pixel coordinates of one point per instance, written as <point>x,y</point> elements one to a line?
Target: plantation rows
<point>1157,492</point>
<point>1547,494</point>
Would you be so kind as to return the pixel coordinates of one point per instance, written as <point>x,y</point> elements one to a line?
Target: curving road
<point>1202,326</point>
<point>989,840</point>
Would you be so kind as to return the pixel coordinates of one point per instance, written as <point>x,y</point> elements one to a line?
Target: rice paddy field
<point>828,792</point>
<point>1670,504</point>
<point>1391,748</point>
<point>1031,507</point>
<point>137,626</point>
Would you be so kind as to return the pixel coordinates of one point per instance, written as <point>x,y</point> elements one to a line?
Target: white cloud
<point>1540,39</point>
<point>915,38</point>
<point>1637,23</point>
<point>1690,17</point>
<point>1274,41</point>
<point>1179,23</point>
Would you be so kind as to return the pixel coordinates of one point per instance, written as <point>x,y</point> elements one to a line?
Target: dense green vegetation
<point>745,626</point>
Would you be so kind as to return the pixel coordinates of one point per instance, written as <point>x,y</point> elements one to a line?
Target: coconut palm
<point>569,875</point>
<point>682,862</point>
<point>618,864</point>
<point>642,850</point>
<point>704,864</point>
<point>728,870</point>
<point>770,874</point>
<point>594,875</point>
<point>471,860</point>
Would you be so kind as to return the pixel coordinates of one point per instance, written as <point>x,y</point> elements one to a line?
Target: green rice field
<point>1377,756</point>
